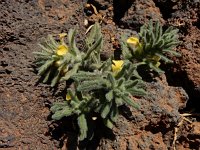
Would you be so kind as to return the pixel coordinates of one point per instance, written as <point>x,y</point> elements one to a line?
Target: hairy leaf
<point>82,123</point>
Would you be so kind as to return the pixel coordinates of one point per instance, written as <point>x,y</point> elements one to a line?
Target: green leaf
<point>70,73</point>
<point>119,101</point>
<point>121,83</point>
<point>93,47</point>
<point>84,76</point>
<point>47,76</point>
<point>44,67</point>
<point>94,43</point>
<point>105,109</point>
<point>114,112</point>
<point>157,31</point>
<point>132,83</point>
<point>174,53</point>
<point>108,123</point>
<point>94,34</point>
<point>74,98</point>
<point>129,101</point>
<point>137,91</point>
<point>65,112</point>
<point>165,59</point>
<point>52,41</point>
<point>98,108</point>
<point>112,80</point>
<point>110,95</point>
<point>171,43</point>
<point>50,51</point>
<point>58,106</point>
<point>106,65</point>
<point>93,102</point>
<point>126,53</point>
<point>49,44</point>
<point>92,85</point>
<point>56,78</point>
<point>158,70</point>
<point>82,123</point>
<point>72,43</point>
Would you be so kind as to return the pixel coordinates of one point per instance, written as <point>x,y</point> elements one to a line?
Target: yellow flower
<point>62,35</point>
<point>117,66</point>
<point>68,97</point>
<point>157,64</point>
<point>62,50</point>
<point>133,41</point>
<point>156,58</point>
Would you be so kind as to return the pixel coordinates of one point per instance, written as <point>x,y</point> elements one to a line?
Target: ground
<point>25,119</point>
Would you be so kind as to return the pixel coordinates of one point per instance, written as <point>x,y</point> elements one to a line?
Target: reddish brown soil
<point>24,102</point>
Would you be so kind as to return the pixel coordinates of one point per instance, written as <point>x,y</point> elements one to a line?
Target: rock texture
<point>25,120</point>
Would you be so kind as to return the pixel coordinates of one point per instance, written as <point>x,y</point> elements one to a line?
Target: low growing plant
<point>152,45</point>
<point>58,61</point>
<point>100,93</point>
<point>112,90</point>
<point>78,106</point>
<point>99,87</point>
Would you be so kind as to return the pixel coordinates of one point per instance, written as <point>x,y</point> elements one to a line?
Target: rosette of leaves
<point>111,90</point>
<point>152,45</point>
<point>58,61</point>
<point>80,107</point>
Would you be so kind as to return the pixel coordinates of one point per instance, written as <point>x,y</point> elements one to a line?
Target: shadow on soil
<point>166,8</point>
<point>180,79</point>
<point>120,8</point>
<point>65,131</point>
